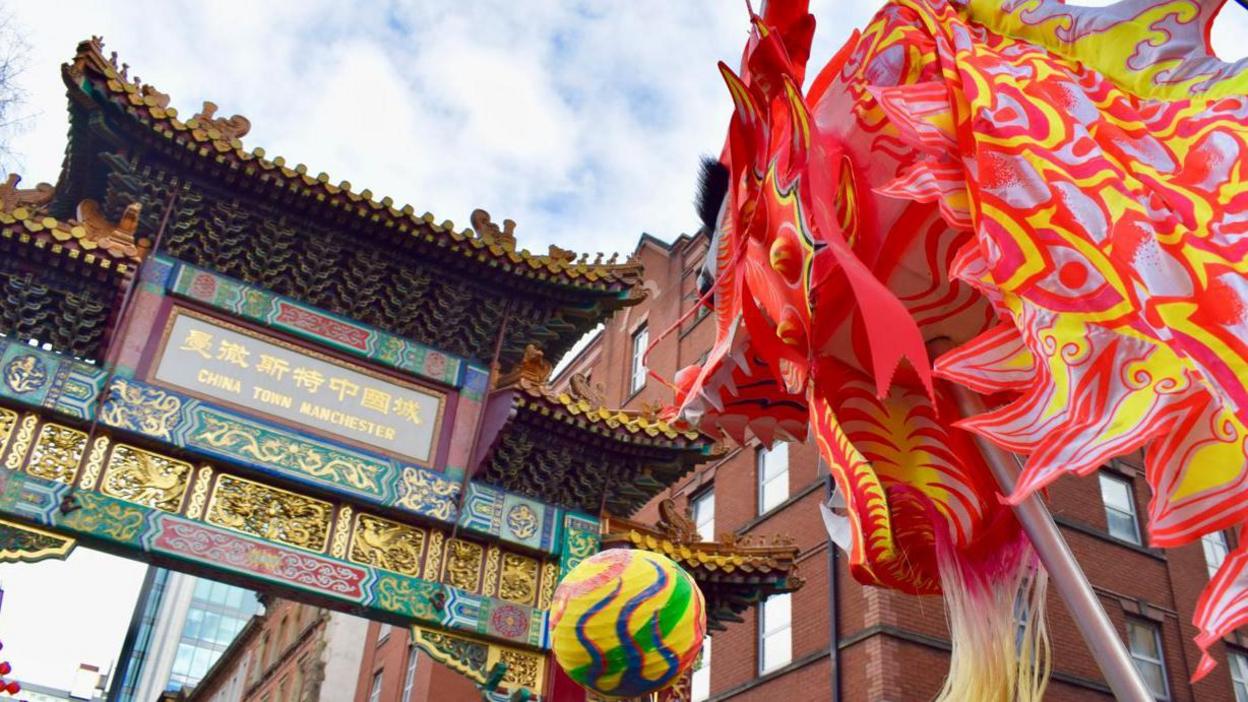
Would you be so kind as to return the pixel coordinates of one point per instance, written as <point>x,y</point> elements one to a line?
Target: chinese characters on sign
<point>221,362</point>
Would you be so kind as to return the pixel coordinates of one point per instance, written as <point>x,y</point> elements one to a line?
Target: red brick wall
<point>431,682</point>
<point>892,646</point>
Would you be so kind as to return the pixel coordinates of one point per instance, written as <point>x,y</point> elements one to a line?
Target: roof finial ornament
<point>532,370</point>
<point>118,238</point>
<point>649,411</point>
<point>582,388</point>
<point>677,524</point>
<point>489,231</point>
<point>11,197</point>
<point>159,99</point>
<point>235,127</point>
<point>562,255</point>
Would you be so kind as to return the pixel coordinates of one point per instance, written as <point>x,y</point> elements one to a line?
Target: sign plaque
<point>215,360</point>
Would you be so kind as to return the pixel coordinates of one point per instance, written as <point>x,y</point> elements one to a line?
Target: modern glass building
<point>181,625</point>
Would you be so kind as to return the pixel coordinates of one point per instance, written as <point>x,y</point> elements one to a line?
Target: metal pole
<point>1064,572</point>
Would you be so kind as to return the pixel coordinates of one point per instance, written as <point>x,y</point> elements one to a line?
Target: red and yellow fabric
<point>1063,192</point>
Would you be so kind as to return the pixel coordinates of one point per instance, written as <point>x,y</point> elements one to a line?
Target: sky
<point>582,121</point>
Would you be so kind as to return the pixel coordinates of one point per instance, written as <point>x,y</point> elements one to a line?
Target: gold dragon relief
<point>519,582</point>
<point>386,544</point>
<point>271,448</point>
<point>463,564</point>
<point>147,410</point>
<point>57,452</point>
<point>146,478</point>
<point>270,513</point>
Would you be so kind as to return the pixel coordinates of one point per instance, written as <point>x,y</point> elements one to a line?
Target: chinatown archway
<point>220,365</point>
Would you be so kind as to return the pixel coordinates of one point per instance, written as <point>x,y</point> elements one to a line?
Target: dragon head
<point>818,295</point>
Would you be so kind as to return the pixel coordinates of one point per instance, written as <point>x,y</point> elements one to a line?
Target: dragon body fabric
<point>1060,193</point>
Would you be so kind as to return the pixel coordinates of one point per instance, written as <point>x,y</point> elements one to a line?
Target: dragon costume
<point>1057,194</point>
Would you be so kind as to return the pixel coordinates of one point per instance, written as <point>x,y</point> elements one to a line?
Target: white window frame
<point>762,458</point>
<point>410,676</point>
<point>374,693</point>
<point>1216,549</point>
<point>1237,661</point>
<point>1139,657</point>
<point>700,684</point>
<point>637,368</point>
<point>768,630</point>
<point>703,507</point>
<point>1107,478</point>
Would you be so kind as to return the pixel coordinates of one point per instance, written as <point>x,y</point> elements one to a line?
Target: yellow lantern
<point>625,623</point>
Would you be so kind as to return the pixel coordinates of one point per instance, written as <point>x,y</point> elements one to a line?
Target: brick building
<point>837,640</point>
<point>392,670</point>
<point>291,653</point>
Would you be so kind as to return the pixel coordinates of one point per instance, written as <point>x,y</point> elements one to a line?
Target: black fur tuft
<point>712,187</point>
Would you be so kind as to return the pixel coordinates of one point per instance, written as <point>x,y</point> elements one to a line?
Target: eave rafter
<point>565,448</point>
<point>734,572</point>
<point>212,144</point>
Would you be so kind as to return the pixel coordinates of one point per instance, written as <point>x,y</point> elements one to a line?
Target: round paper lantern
<point>625,623</point>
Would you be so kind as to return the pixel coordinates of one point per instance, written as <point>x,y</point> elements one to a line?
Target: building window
<point>374,693</point>
<point>1119,508</point>
<point>773,476</point>
<point>409,677</point>
<point>217,612</point>
<point>775,645</point>
<point>1239,674</point>
<point>704,514</point>
<point>700,686</point>
<point>1215,548</point>
<point>1144,641</point>
<point>637,378</point>
<point>383,632</point>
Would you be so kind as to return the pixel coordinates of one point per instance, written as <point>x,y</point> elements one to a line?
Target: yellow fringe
<point>994,659</point>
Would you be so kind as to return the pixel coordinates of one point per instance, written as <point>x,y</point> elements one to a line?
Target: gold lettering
<point>270,397</point>
<point>376,400</point>
<point>344,387</point>
<point>197,342</point>
<point>307,378</point>
<point>408,409</point>
<point>269,365</point>
<point>231,352</point>
<point>349,421</point>
<point>217,380</point>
